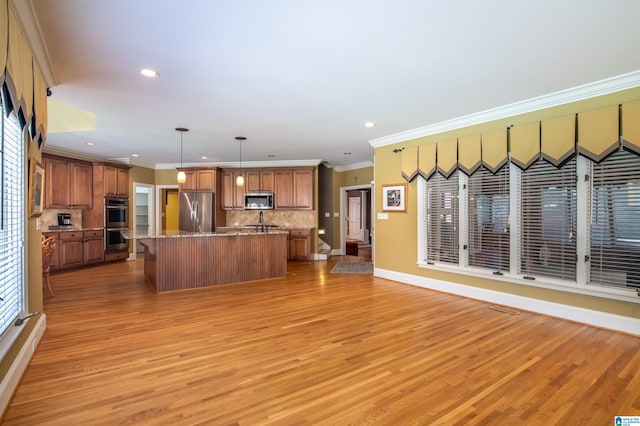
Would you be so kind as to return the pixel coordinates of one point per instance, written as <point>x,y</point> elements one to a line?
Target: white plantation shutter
<point>488,218</point>
<point>547,202</point>
<point>12,217</point>
<point>615,221</point>
<point>442,219</point>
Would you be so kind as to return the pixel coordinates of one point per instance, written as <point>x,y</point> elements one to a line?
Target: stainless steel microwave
<point>258,201</point>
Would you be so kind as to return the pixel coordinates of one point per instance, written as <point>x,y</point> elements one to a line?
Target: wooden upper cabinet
<point>206,180</point>
<point>259,181</point>
<point>116,181</point>
<point>228,191</point>
<point>232,195</point>
<point>303,189</point>
<point>294,189</point>
<point>267,181</point>
<point>123,182</point>
<point>239,190</point>
<point>69,183</point>
<point>283,194</point>
<point>252,181</point>
<point>199,180</point>
<point>57,183</point>
<point>190,183</point>
<point>81,189</point>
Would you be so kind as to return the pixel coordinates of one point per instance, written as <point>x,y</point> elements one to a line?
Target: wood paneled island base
<point>182,262</point>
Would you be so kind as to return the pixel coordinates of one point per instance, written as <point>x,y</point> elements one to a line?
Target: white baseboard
<point>585,316</point>
<point>11,380</point>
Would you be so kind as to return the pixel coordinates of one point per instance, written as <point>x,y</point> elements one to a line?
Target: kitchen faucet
<point>261,221</point>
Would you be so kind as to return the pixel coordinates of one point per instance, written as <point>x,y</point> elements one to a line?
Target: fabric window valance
<point>469,154</point>
<point>630,118</point>
<point>409,163</point>
<point>594,134</point>
<point>447,157</point>
<point>23,86</point>
<point>598,133</point>
<point>494,150</point>
<point>558,139</point>
<point>525,144</point>
<point>427,160</point>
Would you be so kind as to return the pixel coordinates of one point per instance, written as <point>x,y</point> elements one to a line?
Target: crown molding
<point>243,165</point>
<point>354,166</point>
<point>578,93</point>
<point>54,150</point>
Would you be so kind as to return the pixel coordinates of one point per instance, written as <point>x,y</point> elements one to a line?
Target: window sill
<point>627,295</point>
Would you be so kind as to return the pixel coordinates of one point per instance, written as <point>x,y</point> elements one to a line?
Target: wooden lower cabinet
<point>299,244</point>
<point>93,247</point>
<point>71,249</point>
<point>77,248</point>
<point>116,255</point>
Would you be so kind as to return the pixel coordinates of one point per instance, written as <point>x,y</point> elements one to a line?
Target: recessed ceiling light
<point>204,157</point>
<point>90,143</point>
<point>347,153</point>
<point>135,155</point>
<point>271,155</point>
<point>369,124</point>
<point>148,72</point>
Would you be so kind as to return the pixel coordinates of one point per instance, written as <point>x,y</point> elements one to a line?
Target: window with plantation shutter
<point>12,225</point>
<point>547,201</point>
<point>488,219</point>
<point>441,219</point>
<point>615,222</point>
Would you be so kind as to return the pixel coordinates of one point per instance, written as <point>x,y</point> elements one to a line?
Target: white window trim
<point>11,334</point>
<point>579,286</point>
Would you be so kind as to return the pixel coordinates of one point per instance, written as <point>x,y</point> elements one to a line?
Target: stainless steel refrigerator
<point>197,211</point>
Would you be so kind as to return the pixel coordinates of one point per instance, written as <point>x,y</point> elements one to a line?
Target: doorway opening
<point>143,212</point>
<point>356,228</point>
<point>167,208</point>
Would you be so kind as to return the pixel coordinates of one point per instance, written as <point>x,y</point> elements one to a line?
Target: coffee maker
<point>64,219</point>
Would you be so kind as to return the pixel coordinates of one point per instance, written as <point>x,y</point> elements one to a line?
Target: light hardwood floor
<point>314,348</point>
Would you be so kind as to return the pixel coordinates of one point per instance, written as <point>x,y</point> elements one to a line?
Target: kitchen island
<point>182,260</point>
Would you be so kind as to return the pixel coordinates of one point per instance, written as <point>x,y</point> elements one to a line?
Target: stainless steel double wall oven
<point>116,220</point>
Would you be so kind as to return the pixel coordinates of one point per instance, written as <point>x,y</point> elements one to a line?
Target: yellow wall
<point>166,177</point>
<point>171,212</point>
<point>396,238</point>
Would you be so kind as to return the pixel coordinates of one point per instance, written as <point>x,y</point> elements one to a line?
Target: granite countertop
<point>130,235</point>
<point>69,228</point>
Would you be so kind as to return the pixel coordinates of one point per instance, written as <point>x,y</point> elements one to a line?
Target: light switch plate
<point>383,216</point>
<point>327,214</point>
<point>336,214</point>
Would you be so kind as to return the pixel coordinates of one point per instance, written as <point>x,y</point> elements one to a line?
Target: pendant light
<point>240,178</point>
<point>182,177</point>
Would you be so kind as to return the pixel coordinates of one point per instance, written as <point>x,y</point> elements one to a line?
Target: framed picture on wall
<point>394,198</point>
<point>36,188</point>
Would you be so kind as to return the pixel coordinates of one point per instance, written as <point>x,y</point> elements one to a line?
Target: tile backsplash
<point>50,217</point>
<point>283,218</point>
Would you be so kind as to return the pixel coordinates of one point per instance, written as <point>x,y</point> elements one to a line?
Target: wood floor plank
<point>312,348</point>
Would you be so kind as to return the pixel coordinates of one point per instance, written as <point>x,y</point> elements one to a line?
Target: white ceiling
<point>299,78</point>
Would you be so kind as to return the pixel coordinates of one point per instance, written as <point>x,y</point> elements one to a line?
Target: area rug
<point>353,268</point>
